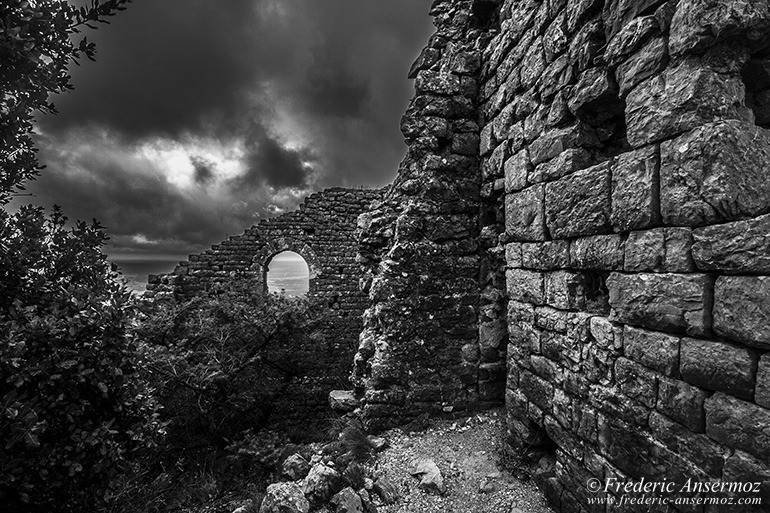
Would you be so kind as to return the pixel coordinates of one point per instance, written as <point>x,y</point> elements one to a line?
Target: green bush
<point>222,362</point>
<point>73,405</point>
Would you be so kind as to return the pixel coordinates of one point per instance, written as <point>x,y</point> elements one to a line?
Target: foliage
<point>73,407</point>
<point>222,362</point>
<point>36,46</point>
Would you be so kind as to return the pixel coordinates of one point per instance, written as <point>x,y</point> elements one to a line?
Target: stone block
<point>715,174</point>
<point>680,99</point>
<point>682,402</point>
<point>668,302</point>
<point>603,252</point>
<point>617,405</point>
<point>742,467</point>
<point>546,256</point>
<point>659,250</point>
<point>492,167</point>
<point>645,63</point>
<point>657,351</point>
<point>630,38</point>
<point>738,424</point>
<point>537,390</point>
<point>553,142</point>
<point>695,448</point>
<point>565,163</point>
<point>636,382</point>
<point>517,169</point>
<point>595,94</point>
<point>525,286</point>
<point>635,187</point>
<point>565,290</point>
<point>741,246</point>
<point>513,254</point>
<point>607,334</point>
<point>762,390</point>
<point>579,204</point>
<point>698,25</point>
<point>436,82</point>
<point>742,309</point>
<point>718,366</point>
<point>525,214</point>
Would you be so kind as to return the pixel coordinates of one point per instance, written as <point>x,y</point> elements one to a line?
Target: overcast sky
<point>200,117</point>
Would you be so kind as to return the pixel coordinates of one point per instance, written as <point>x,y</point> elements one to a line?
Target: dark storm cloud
<point>204,169</point>
<point>268,162</point>
<point>312,91</point>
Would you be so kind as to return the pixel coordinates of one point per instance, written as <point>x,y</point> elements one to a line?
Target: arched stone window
<point>264,262</point>
<point>287,273</point>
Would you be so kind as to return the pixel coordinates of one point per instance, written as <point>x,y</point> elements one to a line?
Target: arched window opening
<point>287,273</point>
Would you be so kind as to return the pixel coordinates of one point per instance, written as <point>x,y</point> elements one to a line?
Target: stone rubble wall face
<point>624,137</point>
<point>423,247</point>
<point>322,232</point>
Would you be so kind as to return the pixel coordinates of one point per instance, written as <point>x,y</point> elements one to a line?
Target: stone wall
<point>628,138</point>
<point>322,232</point>
<point>423,246</point>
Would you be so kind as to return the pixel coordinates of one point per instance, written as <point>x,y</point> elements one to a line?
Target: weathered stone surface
<point>659,250</point>
<point>604,252</point>
<point>695,448</point>
<point>525,214</point>
<point>742,309</point>
<point>762,391</point>
<point>579,204</point>
<point>645,63</point>
<point>682,402</point>
<point>741,246</point>
<point>527,286</point>
<point>718,366</point>
<point>700,24</point>
<point>738,424</point>
<point>714,174</point>
<point>347,501</point>
<point>636,382</point>
<point>536,389</point>
<point>630,38</point>
<point>669,302</point>
<point>635,186</point>
<point>742,467</point>
<point>681,99</point>
<point>321,483</point>
<point>552,143</point>
<point>565,163</point>
<point>517,169</point>
<point>546,256</point>
<point>387,491</point>
<point>295,467</point>
<point>436,82</point>
<point>606,333</point>
<point>430,476</point>
<point>565,290</point>
<point>595,94</point>
<point>343,400</point>
<point>656,350</point>
<point>284,498</point>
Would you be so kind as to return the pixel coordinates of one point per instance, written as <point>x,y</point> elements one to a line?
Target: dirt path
<point>468,453</point>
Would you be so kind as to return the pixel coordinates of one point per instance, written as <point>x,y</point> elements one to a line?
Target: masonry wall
<point>322,232</point>
<point>628,139</point>
<point>422,248</point>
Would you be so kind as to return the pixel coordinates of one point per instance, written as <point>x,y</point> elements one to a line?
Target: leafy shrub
<point>73,407</point>
<point>222,362</point>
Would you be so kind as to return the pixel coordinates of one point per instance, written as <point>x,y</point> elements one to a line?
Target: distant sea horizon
<point>287,273</point>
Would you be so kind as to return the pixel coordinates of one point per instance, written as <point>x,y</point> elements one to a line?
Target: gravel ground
<point>468,453</point>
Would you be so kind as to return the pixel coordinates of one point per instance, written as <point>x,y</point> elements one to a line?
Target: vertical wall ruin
<point>637,196</point>
<point>420,349</point>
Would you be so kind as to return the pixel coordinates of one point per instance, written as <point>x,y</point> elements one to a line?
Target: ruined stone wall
<point>422,248</point>
<point>628,139</point>
<point>322,232</point>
